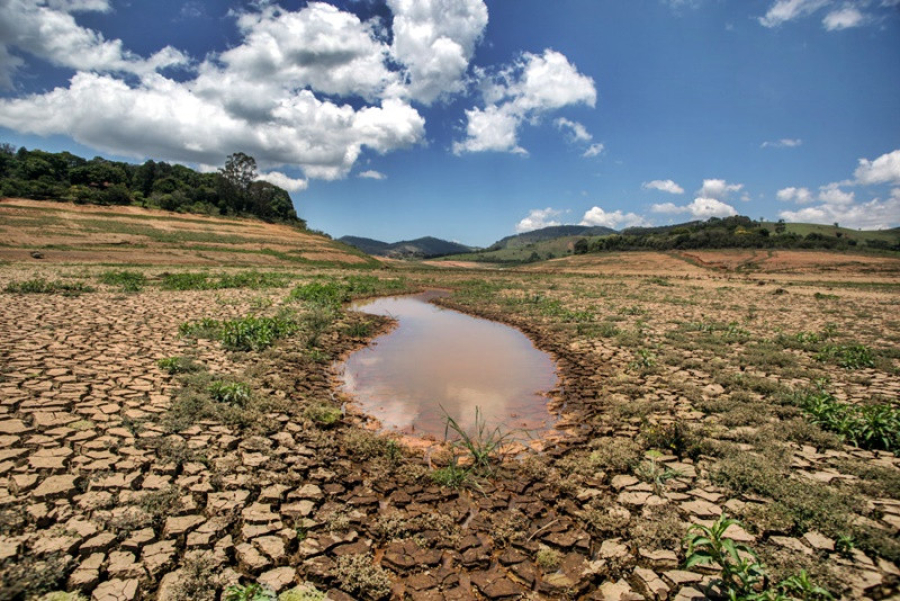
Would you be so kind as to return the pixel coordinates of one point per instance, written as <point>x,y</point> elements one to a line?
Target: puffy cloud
<point>435,40</point>
<point>788,10</point>
<point>493,128</point>
<point>783,143</point>
<point>167,119</point>
<point>593,150</point>
<point>663,185</point>
<point>792,194</point>
<point>700,208</point>
<point>283,181</point>
<point>615,220</point>
<point>884,169</point>
<point>718,189</point>
<point>844,18</point>
<point>832,194</point>
<point>47,30</point>
<point>575,129</point>
<point>875,214</point>
<point>318,47</point>
<point>372,174</point>
<point>537,219</point>
<point>533,85</point>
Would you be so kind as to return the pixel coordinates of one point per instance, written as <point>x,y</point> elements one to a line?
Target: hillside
<point>549,233</point>
<point>420,248</point>
<point>66,232</point>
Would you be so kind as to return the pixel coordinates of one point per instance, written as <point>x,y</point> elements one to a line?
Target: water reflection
<point>437,358</point>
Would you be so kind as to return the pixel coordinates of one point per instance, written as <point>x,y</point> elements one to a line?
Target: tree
<point>780,227</point>
<point>236,177</point>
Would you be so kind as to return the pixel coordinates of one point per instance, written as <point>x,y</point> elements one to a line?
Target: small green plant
<point>482,444</point>
<point>255,333</point>
<point>324,414</point>
<point>848,356</point>
<point>42,286</point>
<point>874,426</point>
<point>127,281</point>
<point>644,359</point>
<point>651,472</point>
<point>359,329</point>
<point>451,476</point>
<point>178,365</point>
<point>741,571</point>
<point>800,586</point>
<point>248,592</point>
<point>844,544</point>
<point>232,393</point>
<point>329,293</point>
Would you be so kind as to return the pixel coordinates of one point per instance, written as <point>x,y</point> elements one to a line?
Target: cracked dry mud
<point>99,490</point>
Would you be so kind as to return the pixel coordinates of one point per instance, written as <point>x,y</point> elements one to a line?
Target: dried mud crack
<point>118,481</point>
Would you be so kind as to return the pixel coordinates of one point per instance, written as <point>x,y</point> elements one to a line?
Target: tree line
<point>728,232</point>
<point>232,190</point>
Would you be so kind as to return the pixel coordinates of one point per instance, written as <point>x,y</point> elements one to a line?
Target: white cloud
<point>884,169</point>
<point>718,189</point>
<point>576,130</point>
<point>844,18</point>
<point>783,143</point>
<point>798,195</point>
<point>832,194</point>
<point>283,181</point>
<point>48,31</point>
<point>435,40</point>
<point>275,95</point>
<point>663,185</point>
<point>700,208</point>
<point>593,150</point>
<point>372,174</point>
<point>787,10</point>
<point>615,220</point>
<point>537,219</point>
<point>875,214</point>
<point>533,85</point>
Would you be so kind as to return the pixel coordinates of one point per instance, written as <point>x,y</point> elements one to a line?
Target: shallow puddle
<point>438,360</point>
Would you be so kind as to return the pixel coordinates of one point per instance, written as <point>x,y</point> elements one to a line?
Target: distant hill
<point>420,248</point>
<point>549,233</point>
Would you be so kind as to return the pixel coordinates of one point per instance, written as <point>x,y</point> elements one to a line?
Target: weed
<point>853,356</point>
<point>255,333</point>
<point>547,559</point>
<point>368,445</point>
<point>27,577</point>
<point>677,437</point>
<point>644,359</point>
<point>617,455</point>
<point>127,281</point>
<point>451,476</point>
<point>652,473</point>
<point>231,393</point>
<point>249,592</point>
<point>359,329</point>
<point>329,294</point>
<point>303,592</point>
<point>359,575</point>
<point>198,581</point>
<point>205,281</point>
<point>741,570</point>
<point>324,414</point>
<point>204,328</point>
<point>178,365</point>
<point>482,445</point>
<point>160,504</point>
<point>42,286</point>
<point>398,525</point>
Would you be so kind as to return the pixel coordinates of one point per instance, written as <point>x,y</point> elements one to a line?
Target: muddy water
<point>440,360</point>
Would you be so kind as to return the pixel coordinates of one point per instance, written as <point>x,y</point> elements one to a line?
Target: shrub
<point>231,393</point>
<point>42,286</point>
<point>852,356</point>
<point>178,365</point>
<point>255,333</point>
<point>358,575</point>
<point>127,281</point>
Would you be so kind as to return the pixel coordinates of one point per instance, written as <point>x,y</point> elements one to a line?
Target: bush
<point>231,393</point>
<point>255,333</point>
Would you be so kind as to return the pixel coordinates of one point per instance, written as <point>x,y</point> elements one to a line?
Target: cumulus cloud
<point>47,30</point>
<point>593,150</point>
<point>531,86</point>
<point>283,181</point>
<point>832,194</point>
<point>537,219</point>
<point>718,189</point>
<point>884,169</point>
<point>872,215</point>
<point>798,195</point>
<point>663,185</point>
<point>700,208</point>
<point>844,18</point>
<point>596,216</point>
<point>783,143</point>
<point>435,41</point>
<point>372,174</point>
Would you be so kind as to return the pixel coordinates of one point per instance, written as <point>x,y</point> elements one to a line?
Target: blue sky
<point>470,120</point>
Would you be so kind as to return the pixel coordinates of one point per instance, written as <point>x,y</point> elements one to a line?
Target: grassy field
<point>175,428</point>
